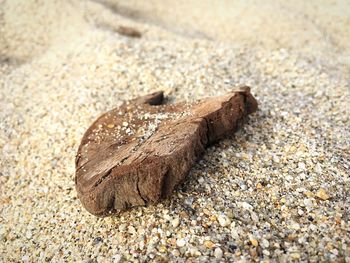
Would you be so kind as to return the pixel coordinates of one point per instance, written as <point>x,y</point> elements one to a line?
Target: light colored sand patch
<point>309,26</point>
<point>29,28</point>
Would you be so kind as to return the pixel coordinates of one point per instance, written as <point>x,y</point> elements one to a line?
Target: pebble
<point>194,252</point>
<point>201,180</point>
<point>208,244</point>
<point>254,242</point>
<point>175,222</point>
<point>117,258</point>
<point>301,166</point>
<point>234,232</point>
<point>189,201</point>
<point>246,206</point>
<point>265,243</point>
<point>25,258</point>
<point>322,194</point>
<point>97,240</point>
<point>313,227</point>
<point>218,253</point>
<point>308,202</point>
<point>254,217</point>
<point>295,225</point>
<point>213,218</point>
<point>181,242</point>
<point>232,248</point>
<point>223,220</point>
<point>295,255</point>
<point>29,235</point>
<point>162,249</point>
<point>253,253</point>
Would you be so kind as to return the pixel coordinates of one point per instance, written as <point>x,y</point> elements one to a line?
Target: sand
<point>276,191</point>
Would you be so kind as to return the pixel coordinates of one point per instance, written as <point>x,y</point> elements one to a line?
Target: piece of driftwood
<point>137,153</point>
<point>129,31</point>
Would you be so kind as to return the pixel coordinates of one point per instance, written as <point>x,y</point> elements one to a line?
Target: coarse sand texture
<point>277,190</point>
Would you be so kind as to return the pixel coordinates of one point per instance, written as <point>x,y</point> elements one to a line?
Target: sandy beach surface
<point>276,191</point>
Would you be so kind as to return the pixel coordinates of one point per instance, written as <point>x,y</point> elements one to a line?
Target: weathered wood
<point>129,31</point>
<point>137,153</point>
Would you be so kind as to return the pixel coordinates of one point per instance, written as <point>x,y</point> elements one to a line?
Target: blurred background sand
<point>30,27</point>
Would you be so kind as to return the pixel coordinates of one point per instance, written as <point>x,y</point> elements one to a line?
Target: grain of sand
<point>278,190</point>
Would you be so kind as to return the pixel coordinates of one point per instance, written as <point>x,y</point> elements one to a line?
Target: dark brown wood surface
<point>137,153</point>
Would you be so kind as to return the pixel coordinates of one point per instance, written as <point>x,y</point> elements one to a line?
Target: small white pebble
<point>254,217</point>
<point>29,234</point>
<point>318,168</point>
<point>295,225</point>
<point>234,233</point>
<point>301,166</point>
<point>194,252</point>
<point>25,258</point>
<point>295,255</point>
<point>181,242</point>
<point>246,206</point>
<point>101,259</point>
<point>175,222</point>
<point>265,243</point>
<point>131,230</point>
<point>243,187</point>
<point>218,253</point>
<point>122,227</point>
<point>313,227</point>
<point>200,180</point>
<point>224,220</point>
<point>308,202</point>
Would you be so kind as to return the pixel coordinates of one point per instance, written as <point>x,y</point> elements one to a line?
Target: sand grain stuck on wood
<point>278,190</point>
